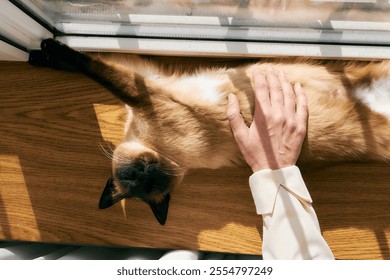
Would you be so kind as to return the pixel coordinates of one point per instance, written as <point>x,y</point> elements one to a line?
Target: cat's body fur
<point>192,108</point>
<point>178,119</point>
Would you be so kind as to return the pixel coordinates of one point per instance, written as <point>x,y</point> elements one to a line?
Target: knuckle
<point>303,106</point>
<point>278,118</point>
<point>291,125</point>
<point>232,113</point>
<point>275,87</point>
<point>301,130</point>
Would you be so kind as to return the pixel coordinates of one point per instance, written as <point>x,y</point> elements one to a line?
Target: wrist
<point>256,168</point>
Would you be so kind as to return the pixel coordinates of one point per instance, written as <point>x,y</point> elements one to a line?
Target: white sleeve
<point>290,225</point>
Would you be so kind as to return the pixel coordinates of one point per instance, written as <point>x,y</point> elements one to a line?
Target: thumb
<point>234,116</point>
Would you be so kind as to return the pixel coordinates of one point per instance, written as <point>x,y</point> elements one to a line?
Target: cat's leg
<point>127,85</point>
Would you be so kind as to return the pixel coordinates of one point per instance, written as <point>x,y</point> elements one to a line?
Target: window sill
<point>234,49</point>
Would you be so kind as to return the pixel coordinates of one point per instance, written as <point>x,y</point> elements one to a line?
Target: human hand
<point>274,139</point>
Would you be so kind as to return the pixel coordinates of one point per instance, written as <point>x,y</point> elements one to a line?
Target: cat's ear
<point>160,209</point>
<point>109,196</point>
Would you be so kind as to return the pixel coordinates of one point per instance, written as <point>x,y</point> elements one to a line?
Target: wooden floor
<point>53,126</point>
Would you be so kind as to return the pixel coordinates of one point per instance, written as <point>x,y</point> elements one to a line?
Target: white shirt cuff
<point>264,185</point>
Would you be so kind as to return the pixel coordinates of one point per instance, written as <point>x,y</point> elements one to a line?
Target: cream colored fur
<point>186,120</point>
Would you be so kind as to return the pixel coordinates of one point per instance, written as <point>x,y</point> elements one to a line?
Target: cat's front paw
<point>46,57</point>
<point>50,45</point>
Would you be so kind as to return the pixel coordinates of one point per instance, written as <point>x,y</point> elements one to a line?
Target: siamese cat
<point>177,119</point>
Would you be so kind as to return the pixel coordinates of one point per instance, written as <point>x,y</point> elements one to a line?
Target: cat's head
<point>142,173</point>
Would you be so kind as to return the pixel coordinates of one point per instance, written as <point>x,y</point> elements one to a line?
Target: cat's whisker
<point>108,154</point>
<point>176,172</point>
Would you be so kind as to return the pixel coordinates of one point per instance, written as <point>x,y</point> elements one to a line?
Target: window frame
<point>26,34</point>
<point>19,28</point>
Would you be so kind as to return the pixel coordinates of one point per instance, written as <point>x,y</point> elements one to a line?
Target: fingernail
<point>271,70</point>
<point>282,75</point>
<point>230,97</point>
<point>256,71</point>
<point>298,86</point>
<point>230,106</point>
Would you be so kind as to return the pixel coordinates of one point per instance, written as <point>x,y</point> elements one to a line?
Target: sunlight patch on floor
<point>233,233</point>
<point>16,210</point>
<point>109,118</point>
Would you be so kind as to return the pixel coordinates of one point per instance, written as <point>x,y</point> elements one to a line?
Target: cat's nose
<point>143,179</point>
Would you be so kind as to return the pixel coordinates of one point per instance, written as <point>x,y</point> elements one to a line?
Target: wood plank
<point>52,172</point>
